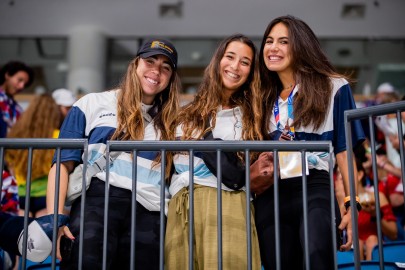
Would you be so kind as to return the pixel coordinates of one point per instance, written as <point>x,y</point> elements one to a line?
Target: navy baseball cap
<point>158,46</point>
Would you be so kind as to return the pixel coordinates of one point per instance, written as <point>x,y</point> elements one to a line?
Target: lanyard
<point>290,109</point>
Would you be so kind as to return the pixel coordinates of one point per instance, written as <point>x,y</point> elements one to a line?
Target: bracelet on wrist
<point>347,203</point>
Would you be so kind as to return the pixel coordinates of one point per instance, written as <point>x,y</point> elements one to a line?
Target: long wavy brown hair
<point>196,115</point>
<point>312,71</point>
<point>40,120</point>
<point>129,110</point>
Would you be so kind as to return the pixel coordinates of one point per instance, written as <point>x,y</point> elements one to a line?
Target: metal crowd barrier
<point>218,146</point>
<point>247,147</point>
<point>163,146</point>
<point>30,145</point>
<point>369,113</point>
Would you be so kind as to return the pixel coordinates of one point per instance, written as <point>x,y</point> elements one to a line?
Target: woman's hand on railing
<point>65,243</point>
<point>346,223</point>
<point>262,173</point>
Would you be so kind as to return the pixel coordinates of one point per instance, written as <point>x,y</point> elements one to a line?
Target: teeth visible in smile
<point>230,74</point>
<point>151,81</point>
<point>274,58</point>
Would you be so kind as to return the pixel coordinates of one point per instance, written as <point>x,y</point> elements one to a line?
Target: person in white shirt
<point>227,106</point>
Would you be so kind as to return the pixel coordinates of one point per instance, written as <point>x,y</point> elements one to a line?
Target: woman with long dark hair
<point>304,100</point>
<point>227,106</point>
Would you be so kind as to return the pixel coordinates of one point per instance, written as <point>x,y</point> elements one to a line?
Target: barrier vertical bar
<point>27,207</point>
<point>401,148</point>
<point>133,207</point>
<point>248,216</point>
<point>305,209</point>
<point>333,209</point>
<point>106,205</point>
<point>349,147</point>
<point>191,211</point>
<point>219,208</point>
<point>376,190</point>
<point>83,204</point>
<point>276,211</point>
<point>1,185</point>
<point>162,209</point>
<point>55,207</point>
<point>1,166</point>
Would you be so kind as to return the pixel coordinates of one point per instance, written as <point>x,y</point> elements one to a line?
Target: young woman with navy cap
<point>143,108</point>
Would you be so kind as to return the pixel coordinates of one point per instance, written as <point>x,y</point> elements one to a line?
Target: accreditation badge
<point>291,164</point>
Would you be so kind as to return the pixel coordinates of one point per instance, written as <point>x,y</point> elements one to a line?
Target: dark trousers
<point>119,231</point>
<point>292,223</point>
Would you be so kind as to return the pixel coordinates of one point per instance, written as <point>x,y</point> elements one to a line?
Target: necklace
<point>286,91</point>
<point>288,87</point>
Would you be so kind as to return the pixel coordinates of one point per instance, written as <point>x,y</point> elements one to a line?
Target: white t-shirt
<point>228,127</point>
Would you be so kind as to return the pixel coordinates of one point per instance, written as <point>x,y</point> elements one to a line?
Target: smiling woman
<point>226,107</point>
<point>143,108</point>
<point>305,99</point>
<point>154,73</point>
<point>276,52</point>
<point>235,68</point>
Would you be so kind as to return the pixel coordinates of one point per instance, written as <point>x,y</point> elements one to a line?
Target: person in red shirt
<point>367,219</point>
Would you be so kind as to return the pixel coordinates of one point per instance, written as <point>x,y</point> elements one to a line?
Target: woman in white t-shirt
<point>227,107</point>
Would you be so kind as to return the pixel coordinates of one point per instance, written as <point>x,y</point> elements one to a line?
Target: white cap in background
<point>385,88</point>
<point>64,97</point>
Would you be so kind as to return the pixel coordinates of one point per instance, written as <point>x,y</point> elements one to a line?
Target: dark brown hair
<point>312,71</point>
<point>12,68</point>
<point>195,116</point>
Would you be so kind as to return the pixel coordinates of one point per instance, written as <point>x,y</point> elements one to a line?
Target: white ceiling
<point>38,31</point>
<point>199,18</point>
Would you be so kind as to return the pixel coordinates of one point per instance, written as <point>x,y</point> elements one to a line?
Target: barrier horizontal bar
<point>375,110</point>
<point>220,145</point>
<point>42,143</point>
<point>172,145</point>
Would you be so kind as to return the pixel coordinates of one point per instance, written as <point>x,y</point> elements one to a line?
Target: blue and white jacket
<point>333,128</point>
<point>94,117</point>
